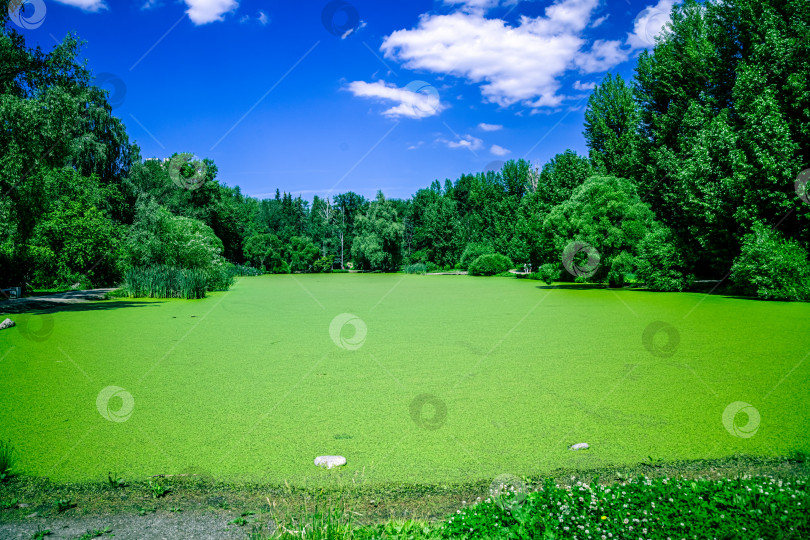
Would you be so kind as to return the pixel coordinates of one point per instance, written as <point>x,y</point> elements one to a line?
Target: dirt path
<point>19,305</point>
<point>128,526</point>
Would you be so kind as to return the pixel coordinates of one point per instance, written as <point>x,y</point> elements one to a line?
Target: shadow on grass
<point>43,306</point>
<point>706,289</point>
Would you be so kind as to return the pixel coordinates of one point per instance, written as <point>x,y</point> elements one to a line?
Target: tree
<point>724,111</point>
<point>605,221</point>
<point>378,244</point>
<point>263,250</point>
<point>301,254</point>
<point>611,128</point>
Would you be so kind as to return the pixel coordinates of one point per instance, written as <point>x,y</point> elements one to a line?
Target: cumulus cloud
<point>407,103</point>
<point>489,127</point>
<point>602,56</point>
<point>87,5</point>
<point>512,64</point>
<point>263,19</point>
<point>499,150</point>
<point>649,23</point>
<point>467,141</point>
<point>208,11</point>
<point>584,86</point>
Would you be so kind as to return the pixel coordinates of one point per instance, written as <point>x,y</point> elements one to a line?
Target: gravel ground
<point>126,527</point>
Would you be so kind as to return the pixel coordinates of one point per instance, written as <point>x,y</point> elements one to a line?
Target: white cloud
<point>499,150</point>
<point>602,56</point>
<point>150,4</point>
<point>87,5</point>
<point>584,86</point>
<point>489,127</point>
<point>479,5</point>
<point>649,23</point>
<point>598,22</point>
<point>208,11</point>
<point>349,32</point>
<point>467,141</point>
<point>263,18</point>
<point>513,64</point>
<point>407,103</point>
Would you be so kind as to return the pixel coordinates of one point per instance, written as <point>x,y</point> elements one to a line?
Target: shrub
<point>489,265</point>
<point>279,267</point>
<point>432,267</point>
<point>472,252</point>
<point>244,270</point>
<point>660,264</point>
<point>220,277</point>
<point>549,273</point>
<point>772,267</point>
<point>623,265</point>
<point>417,268</point>
<point>324,264</point>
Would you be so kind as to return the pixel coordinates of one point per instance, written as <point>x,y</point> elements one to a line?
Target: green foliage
<point>549,273</point>
<point>40,533</point>
<point>322,265</point>
<point>418,268</point>
<point>660,264</point>
<point>772,267</point>
<point>606,213</point>
<point>63,505</point>
<point>302,254</point>
<point>611,127</point>
<point>115,481</point>
<point>157,489</point>
<point>472,251</point>
<point>244,270</point>
<point>263,250</point>
<point>624,264</point>
<point>95,533</point>
<point>378,244</point>
<point>159,238</point>
<point>724,107</point>
<point>489,265</point>
<point>279,267</point>
<point>657,509</point>
<point>7,460</point>
<point>167,282</point>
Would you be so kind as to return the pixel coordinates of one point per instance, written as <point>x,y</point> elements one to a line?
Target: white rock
<point>8,323</point>
<point>330,461</point>
<point>579,446</point>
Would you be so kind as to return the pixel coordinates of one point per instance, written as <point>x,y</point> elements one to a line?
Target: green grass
<point>248,386</point>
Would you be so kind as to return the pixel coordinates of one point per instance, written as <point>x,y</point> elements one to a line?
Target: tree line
<point>694,171</point>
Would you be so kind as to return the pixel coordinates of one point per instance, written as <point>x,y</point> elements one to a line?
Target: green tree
<point>378,244</point>
<point>612,121</point>
<point>606,214</point>
<point>301,254</point>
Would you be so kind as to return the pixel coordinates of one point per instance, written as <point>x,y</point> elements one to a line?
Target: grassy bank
<point>740,497</point>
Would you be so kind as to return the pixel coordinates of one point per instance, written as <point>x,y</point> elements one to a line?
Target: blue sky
<point>325,97</point>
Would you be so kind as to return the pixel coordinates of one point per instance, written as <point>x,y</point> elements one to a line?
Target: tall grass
<point>417,268</point>
<point>238,270</point>
<point>167,282</point>
<point>7,459</point>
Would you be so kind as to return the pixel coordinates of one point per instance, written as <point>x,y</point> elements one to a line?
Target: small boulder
<point>330,461</point>
<point>8,323</point>
<point>579,446</point>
